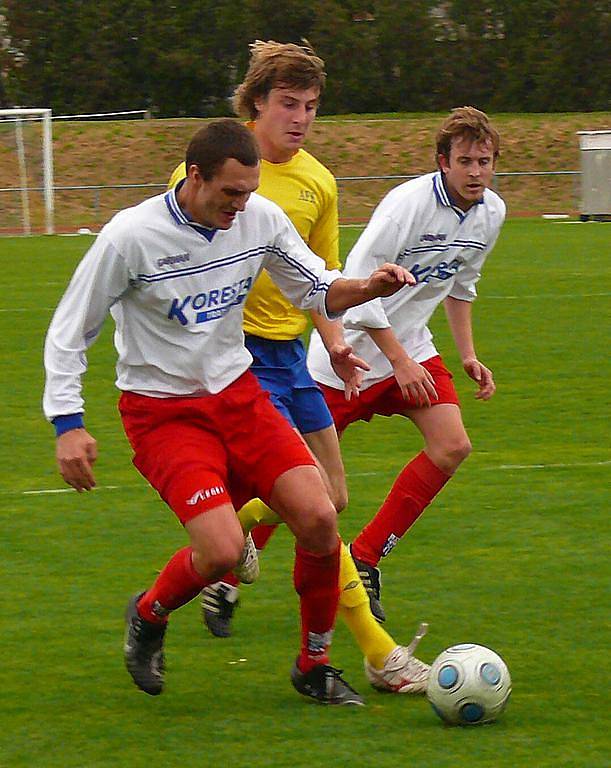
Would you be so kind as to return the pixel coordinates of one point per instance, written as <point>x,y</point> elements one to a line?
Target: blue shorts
<point>281,369</point>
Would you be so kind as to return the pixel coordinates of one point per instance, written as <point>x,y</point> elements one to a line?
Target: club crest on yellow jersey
<point>307,196</point>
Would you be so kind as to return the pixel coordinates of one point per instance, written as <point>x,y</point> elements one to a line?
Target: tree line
<point>185,58</point>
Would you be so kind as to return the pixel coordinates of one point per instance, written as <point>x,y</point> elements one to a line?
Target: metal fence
<point>526,192</point>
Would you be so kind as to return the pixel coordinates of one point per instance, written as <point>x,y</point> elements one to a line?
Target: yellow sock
<point>374,642</point>
<point>255,512</point>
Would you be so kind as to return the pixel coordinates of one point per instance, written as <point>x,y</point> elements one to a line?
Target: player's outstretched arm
<point>350,292</point>
<point>76,452</point>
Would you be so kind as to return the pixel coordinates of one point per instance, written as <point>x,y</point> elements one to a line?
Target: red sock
<point>316,579</point>
<point>176,585</point>
<point>261,534</point>
<point>230,578</point>
<point>416,486</point>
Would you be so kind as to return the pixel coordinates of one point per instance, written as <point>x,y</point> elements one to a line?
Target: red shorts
<point>385,398</point>
<point>201,452</point>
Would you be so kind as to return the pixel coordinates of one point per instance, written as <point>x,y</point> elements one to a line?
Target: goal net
<point>26,171</point>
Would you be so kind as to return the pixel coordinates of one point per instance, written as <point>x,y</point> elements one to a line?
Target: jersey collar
<point>443,196</point>
<point>179,217</point>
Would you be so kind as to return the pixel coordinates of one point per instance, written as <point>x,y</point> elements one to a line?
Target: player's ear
<point>259,103</point>
<point>443,162</point>
<point>194,173</point>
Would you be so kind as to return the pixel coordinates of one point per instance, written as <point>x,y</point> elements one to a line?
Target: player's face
<point>283,122</point>
<point>216,203</point>
<point>468,171</point>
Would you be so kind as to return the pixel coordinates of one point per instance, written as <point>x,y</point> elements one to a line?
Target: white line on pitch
<point>44,491</point>
<point>510,467</point>
<point>28,309</point>
<point>550,296</point>
<point>552,466</point>
<point>69,490</point>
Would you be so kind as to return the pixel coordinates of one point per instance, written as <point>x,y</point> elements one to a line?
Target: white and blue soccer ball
<point>468,685</point>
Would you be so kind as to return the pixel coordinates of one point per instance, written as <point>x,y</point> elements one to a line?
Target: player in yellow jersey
<point>280,96</point>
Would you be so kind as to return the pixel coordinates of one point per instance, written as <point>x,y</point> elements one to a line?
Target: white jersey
<point>417,226</point>
<point>176,291</point>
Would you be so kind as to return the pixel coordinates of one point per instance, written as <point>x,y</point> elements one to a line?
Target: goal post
<point>20,117</point>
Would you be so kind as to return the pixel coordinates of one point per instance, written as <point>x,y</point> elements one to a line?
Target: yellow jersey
<point>307,192</point>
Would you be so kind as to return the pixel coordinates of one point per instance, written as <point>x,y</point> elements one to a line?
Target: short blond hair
<point>466,122</point>
<point>273,64</point>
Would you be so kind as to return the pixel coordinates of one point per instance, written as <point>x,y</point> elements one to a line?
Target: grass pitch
<point>512,554</point>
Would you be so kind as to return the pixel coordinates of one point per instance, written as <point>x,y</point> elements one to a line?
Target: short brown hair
<point>466,122</point>
<point>218,141</point>
<point>273,64</point>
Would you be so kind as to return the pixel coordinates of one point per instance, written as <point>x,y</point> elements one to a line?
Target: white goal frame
<point>17,115</point>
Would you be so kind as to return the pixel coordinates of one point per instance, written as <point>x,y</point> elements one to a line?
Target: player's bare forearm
<point>459,319</point>
<point>331,331</point>
<point>350,292</point>
<point>346,365</point>
<point>413,379</point>
<point>458,313</point>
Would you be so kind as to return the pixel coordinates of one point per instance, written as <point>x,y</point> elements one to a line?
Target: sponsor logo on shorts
<point>205,493</point>
<point>351,585</point>
<point>177,258</point>
<point>391,543</point>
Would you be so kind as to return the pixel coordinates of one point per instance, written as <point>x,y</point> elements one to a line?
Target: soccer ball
<point>468,684</point>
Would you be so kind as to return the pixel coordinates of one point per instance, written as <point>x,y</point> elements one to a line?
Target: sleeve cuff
<point>66,423</point>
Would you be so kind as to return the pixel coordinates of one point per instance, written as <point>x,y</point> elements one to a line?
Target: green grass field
<point>512,555</point>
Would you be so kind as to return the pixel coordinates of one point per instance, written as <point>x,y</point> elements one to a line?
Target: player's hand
<point>483,376</point>
<point>388,279</point>
<point>76,452</point>
<point>348,367</point>
<point>416,383</point>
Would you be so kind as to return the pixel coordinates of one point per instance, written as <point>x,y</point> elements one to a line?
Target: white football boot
<point>402,671</point>
<point>247,570</point>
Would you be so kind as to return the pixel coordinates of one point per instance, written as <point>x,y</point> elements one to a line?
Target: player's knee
<point>215,561</point>
<point>463,449</point>
<point>455,452</point>
<point>318,528</point>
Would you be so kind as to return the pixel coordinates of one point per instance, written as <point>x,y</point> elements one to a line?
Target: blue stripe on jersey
<point>198,269</point>
<point>179,217</point>
<point>440,190</point>
<point>470,244</point>
<point>236,259</point>
<point>441,193</point>
<point>173,207</point>
<point>443,197</point>
<point>316,284</point>
<point>441,248</point>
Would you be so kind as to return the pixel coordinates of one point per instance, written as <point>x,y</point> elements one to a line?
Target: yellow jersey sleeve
<point>178,174</point>
<point>307,192</point>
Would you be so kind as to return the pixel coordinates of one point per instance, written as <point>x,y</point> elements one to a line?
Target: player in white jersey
<point>174,272</point>
<point>441,227</point>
